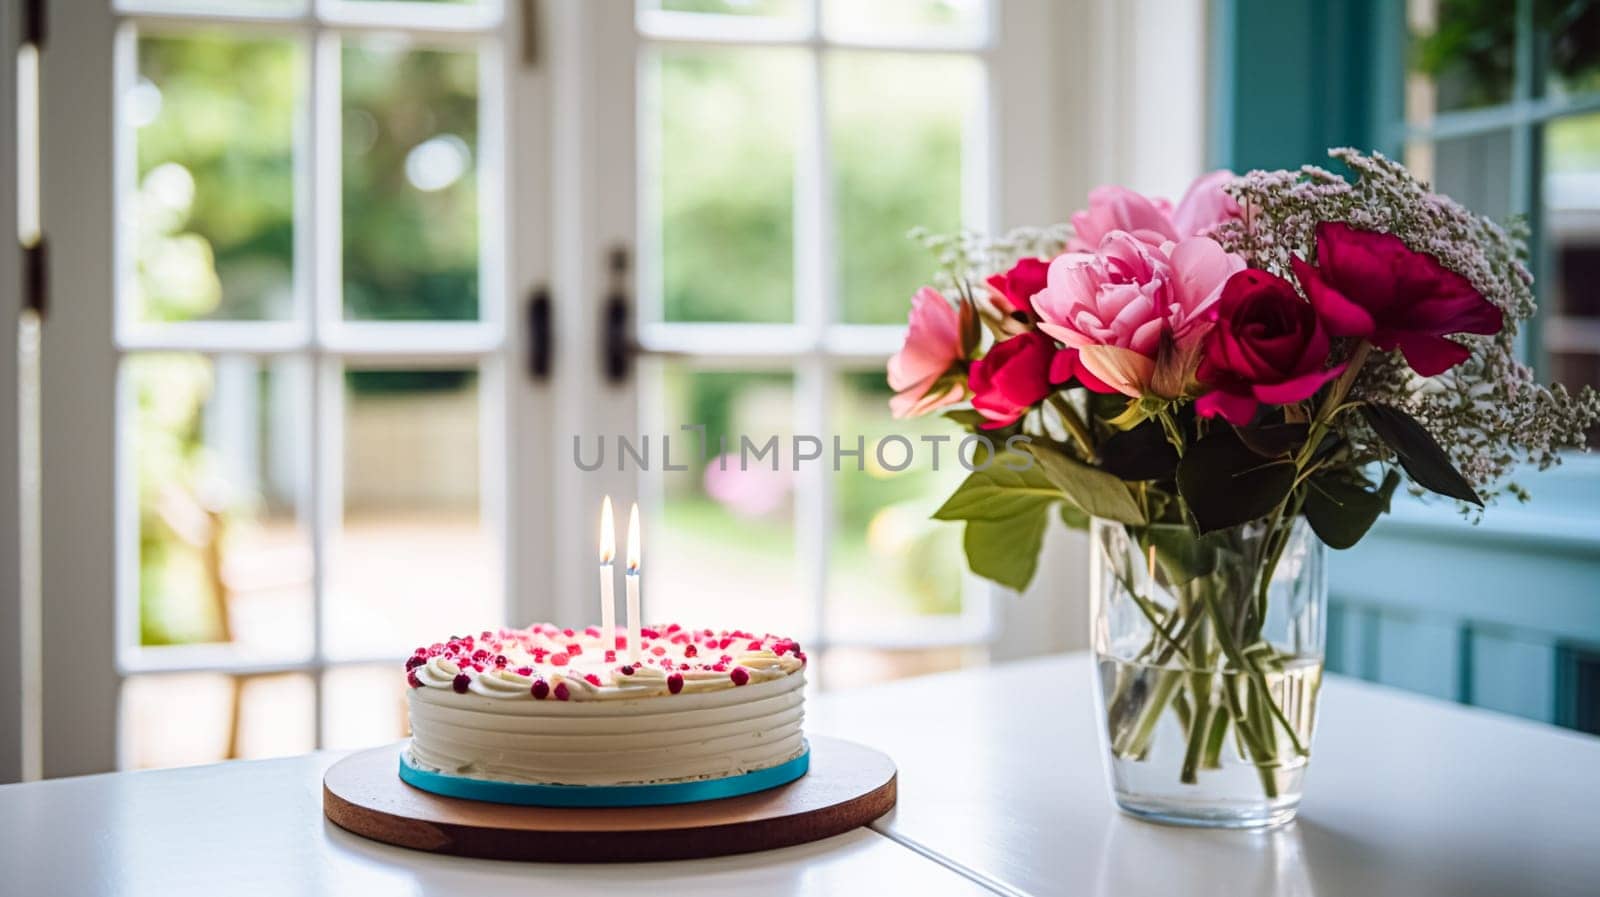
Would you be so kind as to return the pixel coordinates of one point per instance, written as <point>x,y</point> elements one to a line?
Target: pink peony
<point>1203,207</point>
<point>1122,304</point>
<point>934,343</point>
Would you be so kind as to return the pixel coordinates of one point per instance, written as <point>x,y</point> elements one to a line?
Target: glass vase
<point>1208,659</point>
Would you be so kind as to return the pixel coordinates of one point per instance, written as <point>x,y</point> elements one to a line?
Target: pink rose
<point>1017,374</point>
<point>1122,304</point>
<point>1372,286</point>
<point>1203,207</point>
<point>1267,346</point>
<point>934,344</point>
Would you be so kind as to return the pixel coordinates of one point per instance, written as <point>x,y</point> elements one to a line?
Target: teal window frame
<point>1504,614</point>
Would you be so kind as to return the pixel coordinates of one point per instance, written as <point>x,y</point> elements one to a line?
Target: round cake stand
<point>848,785</point>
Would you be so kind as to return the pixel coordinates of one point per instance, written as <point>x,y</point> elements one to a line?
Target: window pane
<point>363,706</point>
<point>1462,55</point>
<point>188,718</point>
<point>283,7</point>
<point>781,9</point>
<point>414,560</point>
<point>1475,171</point>
<point>1573,57</point>
<point>726,555</point>
<point>410,134</point>
<point>723,182</point>
<point>1571,288</point>
<point>900,17</point>
<point>213,206</point>
<point>890,562</point>
<point>219,462</point>
<point>853,667</point>
<point>897,155</point>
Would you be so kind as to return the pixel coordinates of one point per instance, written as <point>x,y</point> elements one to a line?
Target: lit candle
<point>632,580</point>
<point>608,582</point>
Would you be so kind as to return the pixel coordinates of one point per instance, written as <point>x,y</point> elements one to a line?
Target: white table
<point>1000,784</point>
<point>256,827</point>
<point>1000,776</point>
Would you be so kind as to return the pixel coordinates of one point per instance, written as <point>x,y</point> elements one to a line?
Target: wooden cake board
<point>847,786</point>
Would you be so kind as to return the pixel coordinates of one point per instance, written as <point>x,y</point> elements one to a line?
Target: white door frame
<point>78,410</point>
<point>14,732</point>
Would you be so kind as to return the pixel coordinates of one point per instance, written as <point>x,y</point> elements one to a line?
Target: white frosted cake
<point>551,706</point>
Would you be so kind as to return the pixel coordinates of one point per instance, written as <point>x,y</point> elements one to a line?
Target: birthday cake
<point>551,706</point>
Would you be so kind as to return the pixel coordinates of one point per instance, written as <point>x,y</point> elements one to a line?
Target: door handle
<point>618,346</point>
<point>539,334</point>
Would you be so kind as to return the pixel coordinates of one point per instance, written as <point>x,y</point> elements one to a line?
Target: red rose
<point>1013,291</point>
<point>1373,286</point>
<point>1018,373</point>
<point>1267,346</point>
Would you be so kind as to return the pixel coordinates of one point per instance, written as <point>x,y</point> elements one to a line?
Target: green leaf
<point>965,417</point>
<point>1073,516</point>
<point>1007,551</point>
<point>1274,440</point>
<point>1419,454</point>
<point>999,493</point>
<point>1090,488</point>
<point>1184,554</point>
<point>1226,484</point>
<point>1342,506</point>
<point>1142,453</point>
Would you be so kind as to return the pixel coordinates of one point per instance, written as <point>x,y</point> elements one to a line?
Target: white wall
<point>1122,100</point>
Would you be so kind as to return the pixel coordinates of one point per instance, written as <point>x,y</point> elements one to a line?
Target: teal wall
<point>1291,78</point>
<point>1505,614</point>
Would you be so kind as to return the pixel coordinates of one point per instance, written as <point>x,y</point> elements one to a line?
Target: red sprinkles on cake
<point>670,655</point>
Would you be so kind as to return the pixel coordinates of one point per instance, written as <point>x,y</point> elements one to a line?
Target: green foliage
<point>1225,484</point>
<point>1342,505</point>
<point>1423,459</point>
<point>409,254</point>
<point>1006,551</point>
<point>1473,49</point>
<point>1184,555</point>
<point>1142,453</point>
<point>1012,486</point>
<point>1006,508</point>
<point>215,205</point>
<point>1096,492</point>
<point>896,133</point>
<point>725,179</point>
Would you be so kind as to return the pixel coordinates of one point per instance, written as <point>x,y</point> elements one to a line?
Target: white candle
<point>608,582</point>
<point>632,580</point>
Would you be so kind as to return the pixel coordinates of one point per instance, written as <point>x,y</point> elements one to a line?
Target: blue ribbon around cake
<point>651,795</point>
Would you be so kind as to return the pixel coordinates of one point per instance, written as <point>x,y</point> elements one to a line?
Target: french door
<point>782,152</point>
<point>293,422</point>
<point>280,371</point>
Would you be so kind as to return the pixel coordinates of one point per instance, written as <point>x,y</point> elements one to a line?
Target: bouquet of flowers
<point>1277,351</point>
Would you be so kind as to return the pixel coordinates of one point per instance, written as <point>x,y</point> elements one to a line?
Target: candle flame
<point>633,539</point>
<point>608,532</point>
